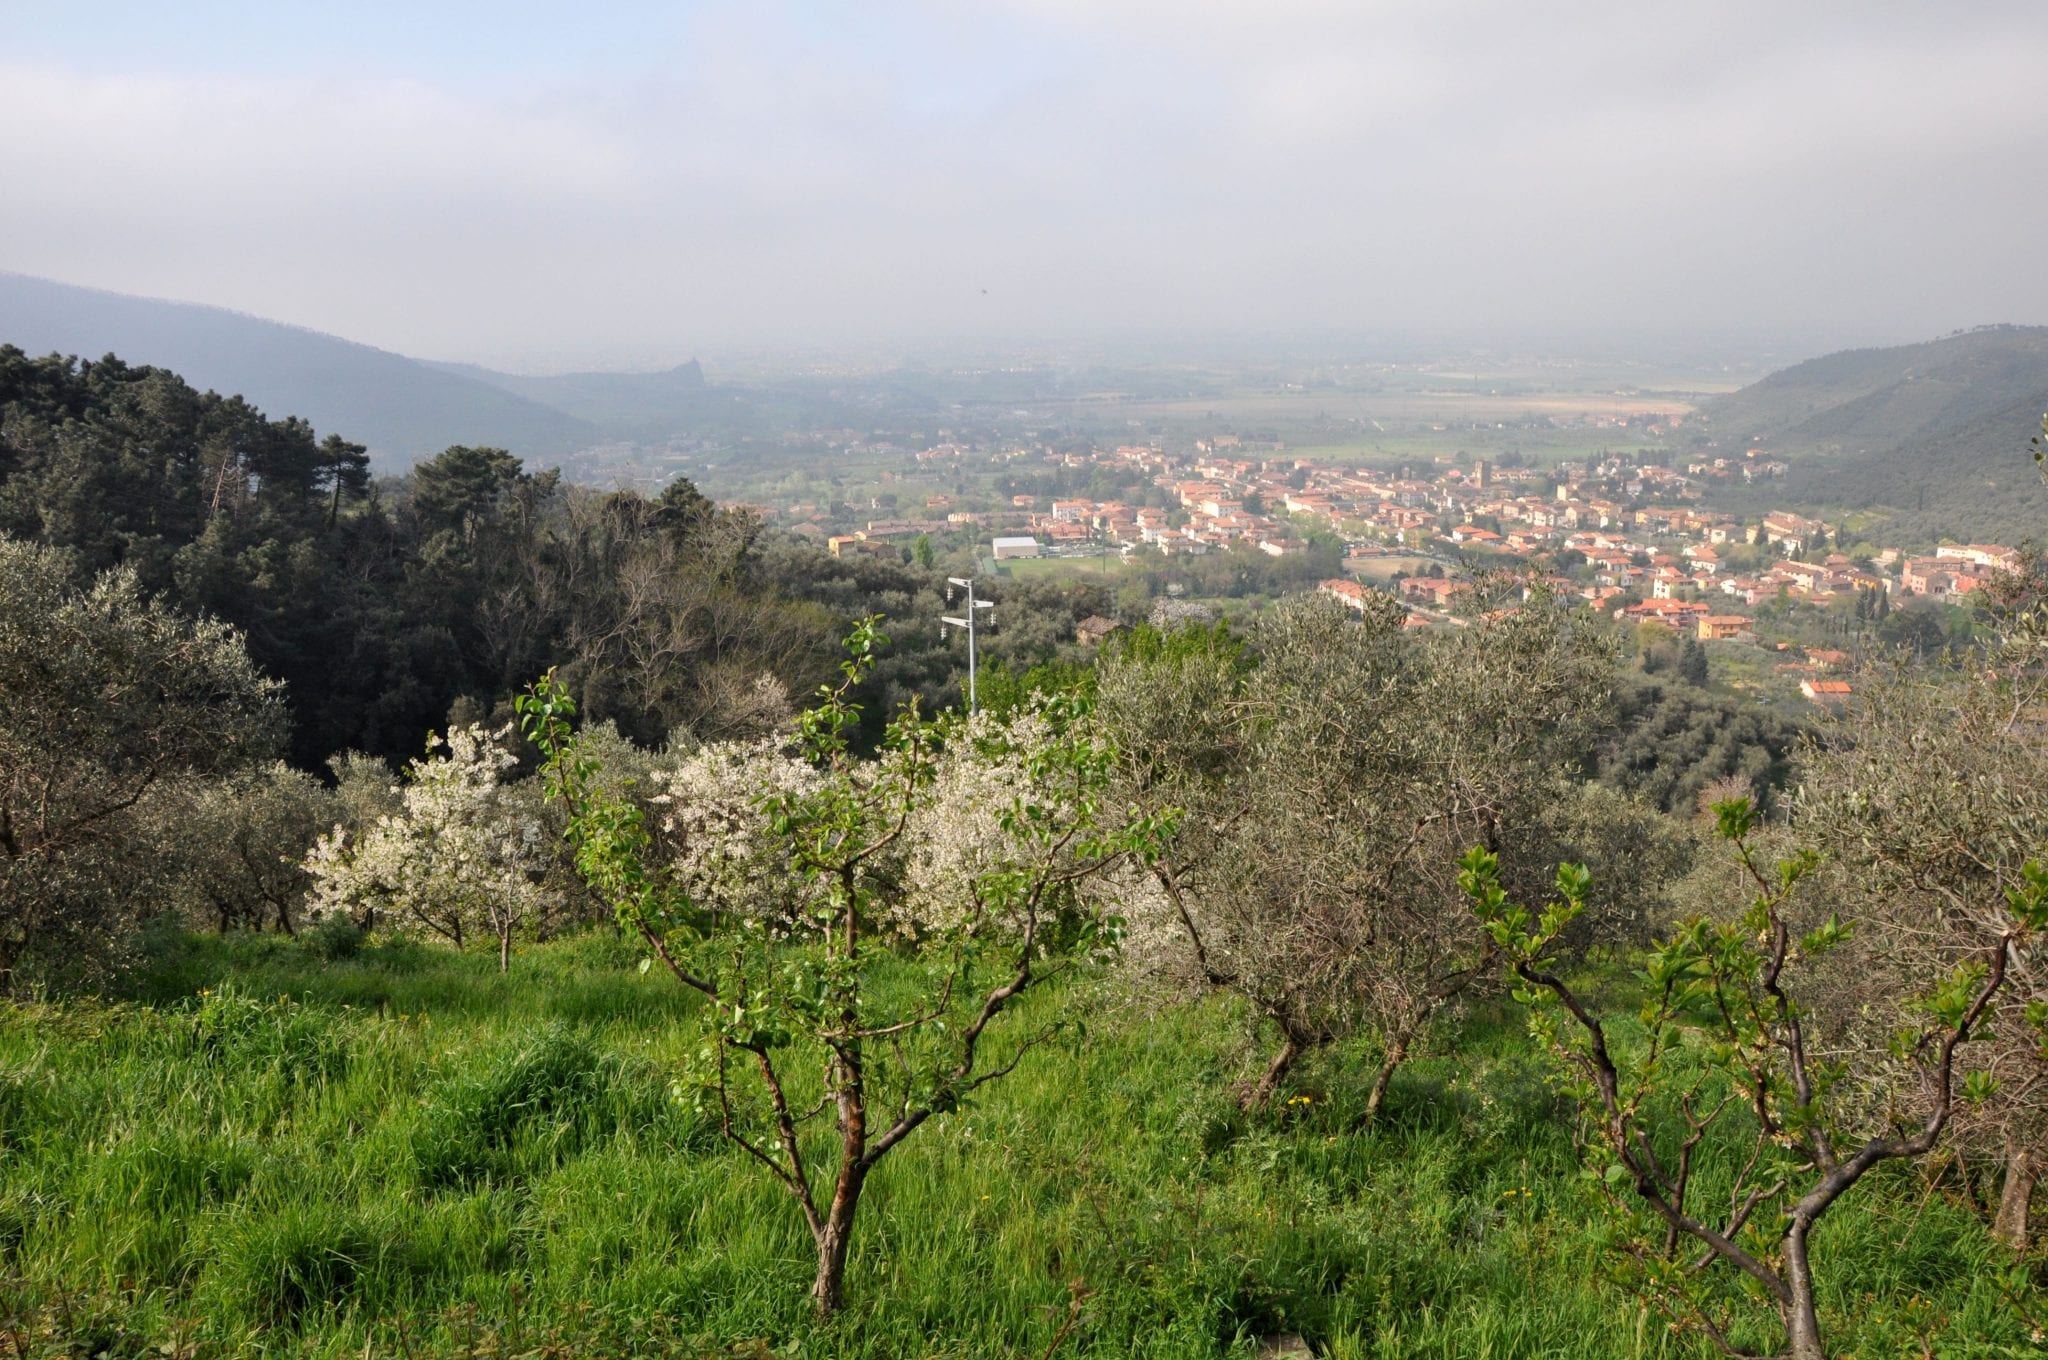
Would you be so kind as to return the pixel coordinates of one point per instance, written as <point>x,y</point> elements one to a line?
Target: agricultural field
<point>320,1149</point>
<point>1387,568</point>
<point>1105,566</point>
<point>1538,447</point>
<point>1449,403</point>
<point>1411,395</point>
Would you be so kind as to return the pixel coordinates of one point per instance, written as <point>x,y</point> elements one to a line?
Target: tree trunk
<point>1801,1317</point>
<point>504,952</point>
<point>1802,1326</point>
<point>1397,1053</point>
<point>828,1291</point>
<point>1256,1098</point>
<point>2022,1170</point>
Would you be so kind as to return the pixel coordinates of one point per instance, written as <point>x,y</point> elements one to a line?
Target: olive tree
<point>234,847</point>
<point>1329,777</point>
<point>111,699</point>
<point>804,993</point>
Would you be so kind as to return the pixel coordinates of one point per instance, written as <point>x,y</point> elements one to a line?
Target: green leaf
<point>1734,818</point>
<point>1825,937</point>
<point>2029,900</point>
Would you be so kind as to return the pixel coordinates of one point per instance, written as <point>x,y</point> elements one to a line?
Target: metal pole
<point>967,621</point>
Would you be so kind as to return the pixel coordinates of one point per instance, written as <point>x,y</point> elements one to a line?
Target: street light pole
<point>967,583</point>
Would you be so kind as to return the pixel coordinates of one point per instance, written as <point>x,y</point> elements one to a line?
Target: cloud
<point>761,175</point>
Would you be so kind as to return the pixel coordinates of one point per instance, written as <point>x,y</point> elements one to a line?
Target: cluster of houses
<point>1638,539</point>
<point>1639,530</point>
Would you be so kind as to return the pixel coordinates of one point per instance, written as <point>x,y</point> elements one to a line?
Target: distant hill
<point>404,410</point>
<point>1935,433</point>
<point>631,405</point>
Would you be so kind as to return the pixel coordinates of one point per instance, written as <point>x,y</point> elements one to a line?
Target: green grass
<point>1105,566</point>
<point>405,1154</point>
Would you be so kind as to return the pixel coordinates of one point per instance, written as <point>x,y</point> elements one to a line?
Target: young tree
<point>1930,797</point>
<point>468,852</point>
<point>111,699</point>
<point>791,997</point>
<point>1732,1055</point>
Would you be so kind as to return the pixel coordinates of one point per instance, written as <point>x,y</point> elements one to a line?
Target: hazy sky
<point>604,185</point>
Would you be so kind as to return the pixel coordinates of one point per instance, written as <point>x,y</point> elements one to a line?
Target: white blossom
<point>722,850</point>
<point>961,838</point>
<point>467,851</point>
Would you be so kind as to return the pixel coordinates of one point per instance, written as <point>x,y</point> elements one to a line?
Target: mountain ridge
<point>1933,435</point>
<point>401,408</point>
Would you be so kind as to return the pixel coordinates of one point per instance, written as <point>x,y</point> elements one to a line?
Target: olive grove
<point>1331,768</point>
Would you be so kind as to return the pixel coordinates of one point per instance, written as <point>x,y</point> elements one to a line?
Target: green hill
<point>404,410</point>
<point>1933,434</point>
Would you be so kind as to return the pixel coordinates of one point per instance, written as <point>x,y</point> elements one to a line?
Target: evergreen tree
<point>1692,662</point>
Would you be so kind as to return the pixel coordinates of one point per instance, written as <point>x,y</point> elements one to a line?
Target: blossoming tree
<point>467,852</point>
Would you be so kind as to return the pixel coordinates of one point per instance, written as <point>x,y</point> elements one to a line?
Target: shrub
<point>335,938</point>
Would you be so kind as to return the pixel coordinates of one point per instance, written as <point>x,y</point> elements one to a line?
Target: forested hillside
<point>1935,434</point>
<point>401,410</point>
<point>650,406</point>
<point>1864,400</point>
<point>381,603</point>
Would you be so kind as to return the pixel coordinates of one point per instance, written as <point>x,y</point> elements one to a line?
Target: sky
<point>544,187</point>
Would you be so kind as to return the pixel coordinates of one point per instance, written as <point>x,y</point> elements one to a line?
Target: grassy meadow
<point>262,1151</point>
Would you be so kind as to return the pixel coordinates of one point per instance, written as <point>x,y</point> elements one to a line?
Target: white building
<point>1023,546</point>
